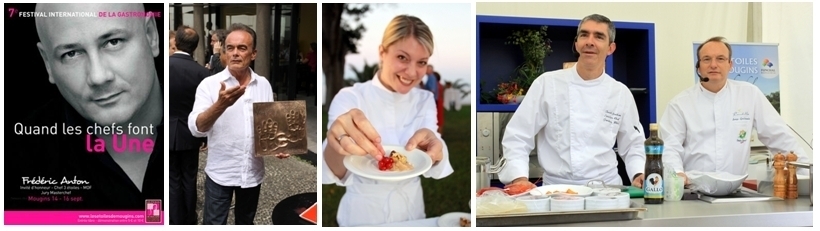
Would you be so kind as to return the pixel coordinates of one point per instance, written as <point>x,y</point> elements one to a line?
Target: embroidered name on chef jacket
<point>741,116</point>
<point>612,117</point>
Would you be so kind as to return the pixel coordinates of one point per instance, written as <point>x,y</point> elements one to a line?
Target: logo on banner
<point>768,70</point>
<point>153,211</point>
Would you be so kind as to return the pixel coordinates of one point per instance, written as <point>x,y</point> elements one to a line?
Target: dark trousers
<point>182,170</point>
<point>218,203</point>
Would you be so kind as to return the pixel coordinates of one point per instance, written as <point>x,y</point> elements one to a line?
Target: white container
<point>602,202</point>
<point>622,198</point>
<point>599,191</point>
<point>566,203</point>
<point>535,204</point>
<point>561,189</point>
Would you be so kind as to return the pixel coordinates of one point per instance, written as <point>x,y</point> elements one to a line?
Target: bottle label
<point>653,149</point>
<point>653,186</point>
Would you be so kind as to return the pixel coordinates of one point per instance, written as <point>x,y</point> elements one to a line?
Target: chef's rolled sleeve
<point>773,131</point>
<point>202,102</point>
<point>443,168</point>
<point>327,175</point>
<point>673,133</point>
<point>430,121</point>
<point>631,139</point>
<point>519,135</point>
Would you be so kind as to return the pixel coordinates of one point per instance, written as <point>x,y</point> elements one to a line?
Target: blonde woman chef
<point>389,109</point>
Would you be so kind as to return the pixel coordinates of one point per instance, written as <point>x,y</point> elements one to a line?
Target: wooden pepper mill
<point>780,180</point>
<point>791,187</point>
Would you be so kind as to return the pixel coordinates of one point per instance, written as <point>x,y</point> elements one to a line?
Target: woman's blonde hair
<point>406,26</point>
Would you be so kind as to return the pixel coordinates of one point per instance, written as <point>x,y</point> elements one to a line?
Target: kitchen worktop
<point>796,212</point>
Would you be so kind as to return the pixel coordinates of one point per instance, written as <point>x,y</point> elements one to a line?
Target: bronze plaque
<point>280,127</point>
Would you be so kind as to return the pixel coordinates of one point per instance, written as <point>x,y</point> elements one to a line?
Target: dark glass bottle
<point>653,172</point>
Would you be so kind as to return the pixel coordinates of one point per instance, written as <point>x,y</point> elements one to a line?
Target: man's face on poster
<point>103,67</point>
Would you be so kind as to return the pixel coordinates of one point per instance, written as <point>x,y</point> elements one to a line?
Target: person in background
<point>574,117</point>
<point>172,36</point>
<point>185,74</point>
<point>451,96</point>
<point>707,127</point>
<point>439,103</point>
<point>215,64</point>
<point>387,109</point>
<point>310,60</point>
<point>431,84</point>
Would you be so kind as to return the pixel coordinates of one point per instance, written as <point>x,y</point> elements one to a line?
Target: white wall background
<point>789,24</point>
<point>677,25</point>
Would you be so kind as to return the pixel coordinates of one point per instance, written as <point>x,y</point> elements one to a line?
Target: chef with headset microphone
<point>707,127</point>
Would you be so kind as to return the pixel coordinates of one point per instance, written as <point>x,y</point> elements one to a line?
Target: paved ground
<point>283,178</point>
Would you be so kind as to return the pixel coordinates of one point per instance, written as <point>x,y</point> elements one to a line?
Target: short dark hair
<point>220,35</point>
<point>599,19</point>
<point>438,76</point>
<point>243,27</point>
<point>720,39</point>
<point>186,39</point>
<point>313,46</point>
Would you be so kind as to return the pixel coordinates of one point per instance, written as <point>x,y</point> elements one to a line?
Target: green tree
<point>774,98</point>
<point>362,75</point>
<point>339,38</point>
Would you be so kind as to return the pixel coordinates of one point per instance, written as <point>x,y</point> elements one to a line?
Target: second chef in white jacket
<point>574,117</point>
<point>389,109</point>
<point>707,127</point>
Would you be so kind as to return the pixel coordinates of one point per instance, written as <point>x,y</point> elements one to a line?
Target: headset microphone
<point>574,51</point>
<point>702,79</point>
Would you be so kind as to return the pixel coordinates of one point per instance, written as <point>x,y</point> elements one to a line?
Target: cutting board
<point>634,192</point>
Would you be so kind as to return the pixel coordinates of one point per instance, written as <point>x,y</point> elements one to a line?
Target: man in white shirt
<point>575,117</point>
<point>707,127</point>
<point>223,111</point>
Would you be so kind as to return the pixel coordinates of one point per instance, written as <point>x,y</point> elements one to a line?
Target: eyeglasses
<point>708,60</point>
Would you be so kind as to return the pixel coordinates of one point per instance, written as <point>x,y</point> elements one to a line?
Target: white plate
<point>582,191</point>
<point>367,166</point>
<point>453,219</point>
<point>716,183</point>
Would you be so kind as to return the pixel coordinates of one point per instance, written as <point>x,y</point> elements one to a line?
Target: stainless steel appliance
<point>484,169</point>
<point>490,129</point>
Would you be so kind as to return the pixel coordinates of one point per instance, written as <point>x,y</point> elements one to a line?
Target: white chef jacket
<point>231,161</point>
<point>709,132</point>
<point>396,117</point>
<point>574,124</point>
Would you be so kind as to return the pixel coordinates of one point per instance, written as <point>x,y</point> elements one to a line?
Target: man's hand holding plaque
<point>282,155</point>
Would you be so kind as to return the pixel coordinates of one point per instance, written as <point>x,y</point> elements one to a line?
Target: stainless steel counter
<point>698,213</point>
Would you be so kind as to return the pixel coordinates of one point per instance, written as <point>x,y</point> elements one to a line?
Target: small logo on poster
<point>153,211</point>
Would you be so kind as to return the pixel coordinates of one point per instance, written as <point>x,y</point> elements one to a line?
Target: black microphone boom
<point>702,79</point>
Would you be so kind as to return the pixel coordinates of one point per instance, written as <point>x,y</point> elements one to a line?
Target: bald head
<point>45,24</point>
<point>103,66</point>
